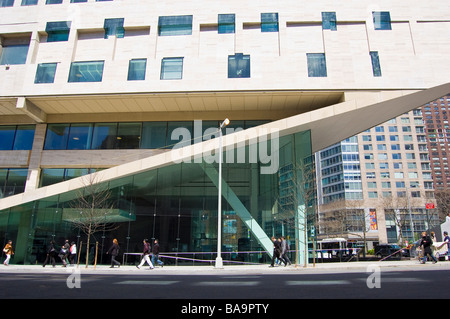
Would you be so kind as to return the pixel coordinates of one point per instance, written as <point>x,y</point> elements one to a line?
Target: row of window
<point>127,135</point>
<point>171,69</point>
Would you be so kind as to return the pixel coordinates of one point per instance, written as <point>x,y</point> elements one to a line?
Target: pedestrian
<point>114,252</point>
<point>155,255</point>
<point>276,251</point>
<point>8,250</point>
<point>64,252</point>
<point>51,253</point>
<point>447,240</point>
<point>146,254</point>
<point>285,250</point>
<point>72,253</point>
<point>426,243</point>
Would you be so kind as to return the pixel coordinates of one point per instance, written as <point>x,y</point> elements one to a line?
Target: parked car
<point>384,250</point>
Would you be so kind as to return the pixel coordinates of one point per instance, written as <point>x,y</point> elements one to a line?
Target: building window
<point>53,1</point>
<point>12,181</point>
<point>57,31</point>
<point>239,66</point>
<point>329,21</point>
<point>376,68</point>
<point>171,69</point>
<point>77,1</point>
<point>6,3</point>
<point>226,23</point>
<point>269,22</point>
<point>91,71</point>
<point>29,2</point>
<point>136,69</point>
<point>382,20</point>
<point>45,73</point>
<point>18,137</point>
<point>114,27</point>
<point>175,25</point>
<point>14,54</point>
<point>316,65</point>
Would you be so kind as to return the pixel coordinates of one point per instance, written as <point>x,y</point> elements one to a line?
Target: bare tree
<point>443,202</point>
<point>92,209</point>
<point>297,200</point>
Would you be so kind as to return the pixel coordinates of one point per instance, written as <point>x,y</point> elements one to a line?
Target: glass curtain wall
<point>177,204</point>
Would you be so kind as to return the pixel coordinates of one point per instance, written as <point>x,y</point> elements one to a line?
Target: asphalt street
<point>356,280</point>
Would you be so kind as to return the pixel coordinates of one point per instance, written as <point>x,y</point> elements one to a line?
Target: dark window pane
<point>238,66</point>
<point>7,134</point>
<point>56,138</point>
<point>80,136</point>
<point>105,136</point>
<point>24,137</point>
<point>58,31</point>
<point>128,135</point>
<point>154,135</point>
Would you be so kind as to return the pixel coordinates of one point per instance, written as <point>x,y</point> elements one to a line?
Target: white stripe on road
<point>227,283</point>
<point>142,282</point>
<point>317,282</point>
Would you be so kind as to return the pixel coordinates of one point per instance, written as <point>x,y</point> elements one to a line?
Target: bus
<point>333,248</point>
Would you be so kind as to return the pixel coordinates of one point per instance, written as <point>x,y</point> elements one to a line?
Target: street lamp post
<point>219,262</point>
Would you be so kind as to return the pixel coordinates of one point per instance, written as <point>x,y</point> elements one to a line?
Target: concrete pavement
<point>361,266</point>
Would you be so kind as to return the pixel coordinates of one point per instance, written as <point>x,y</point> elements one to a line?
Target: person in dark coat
<point>114,252</point>
<point>426,243</point>
<point>51,254</point>
<point>146,254</point>
<point>276,251</point>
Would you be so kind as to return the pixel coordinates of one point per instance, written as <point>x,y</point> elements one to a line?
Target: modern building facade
<point>135,91</point>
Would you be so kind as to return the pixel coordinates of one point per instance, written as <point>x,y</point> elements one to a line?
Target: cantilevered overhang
<point>328,125</point>
<point>156,106</point>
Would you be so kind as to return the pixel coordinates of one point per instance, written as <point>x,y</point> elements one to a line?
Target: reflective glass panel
<point>7,134</point>
<point>91,71</point>
<point>24,137</point>
<point>45,73</point>
<point>154,134</point>
<point>80,136</point>
<point>105,136</point>
<point>56,138</point>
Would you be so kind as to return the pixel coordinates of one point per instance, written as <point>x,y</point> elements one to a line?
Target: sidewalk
<point>401,265</point>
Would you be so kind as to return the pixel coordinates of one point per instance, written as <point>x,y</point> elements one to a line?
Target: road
<point>249,285</point>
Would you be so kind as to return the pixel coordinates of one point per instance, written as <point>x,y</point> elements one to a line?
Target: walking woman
<point>114,252</point>
<point>8,252</point>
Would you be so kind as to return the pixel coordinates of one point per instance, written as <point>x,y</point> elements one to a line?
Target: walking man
<point>155,256</point>
<point>146,257</point>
